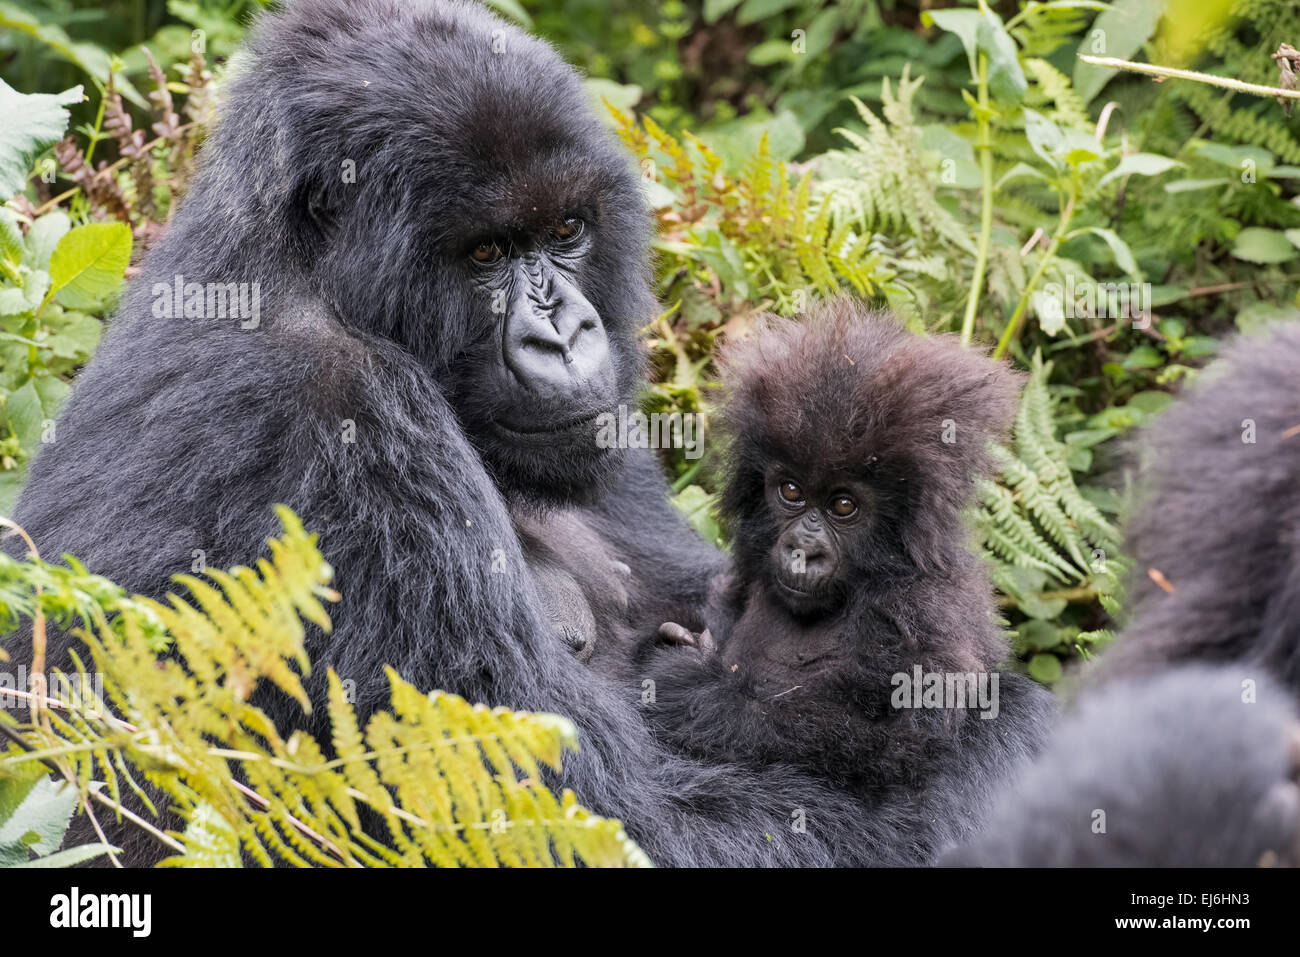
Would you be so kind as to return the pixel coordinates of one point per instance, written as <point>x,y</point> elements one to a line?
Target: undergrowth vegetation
<point>964,167</point>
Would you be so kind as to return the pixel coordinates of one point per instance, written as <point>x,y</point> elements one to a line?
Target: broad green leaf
<point>11,239</point>
<point>33,123</point>
<point>13,302</point>
<point>89,57</point>
<point>77,339</point>
<point>752,11</point>
<point>1118,248</point>
<point>1080,147</point>
<point>983,32</point>
<point>32,405</point>
<point>714,10</point>
<point>1150,402</point>
<point>1190,185</point>
<point>11,483</point>
<point>1045,137</point>
<point>36,283</point>
<point>771,51</point>
<point>1260,315</point>
<point>88,264</point>
<point>1017,171</point>
<point>1007,80</point>
<point>44,236</point>
<point>957,166</point>
<point>39,822</point>
<point>1256,244</point>
<point>1143,357</point>
<point>1239,158</point>
<point>1140,164</point>
<point>1118,32</point>
<point>1045,668</point>
<point>70,857</point>
<point>1038,633</point>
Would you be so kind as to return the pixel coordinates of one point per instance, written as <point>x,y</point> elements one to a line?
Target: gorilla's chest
<point>779,656</point>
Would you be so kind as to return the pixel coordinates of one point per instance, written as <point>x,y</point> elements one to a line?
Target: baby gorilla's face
<point>817,519</point>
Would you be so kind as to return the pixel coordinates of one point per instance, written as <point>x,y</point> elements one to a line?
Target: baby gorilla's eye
<point>791,492</point>
<point>842,506</point>
<point>569,229</point>
<point>487,253</point>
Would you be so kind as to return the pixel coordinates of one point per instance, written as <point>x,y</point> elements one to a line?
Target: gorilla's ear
<point>319,209</point>
<point>312,219</point>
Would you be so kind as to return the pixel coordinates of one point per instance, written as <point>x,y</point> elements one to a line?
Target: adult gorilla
<point>437,334</point>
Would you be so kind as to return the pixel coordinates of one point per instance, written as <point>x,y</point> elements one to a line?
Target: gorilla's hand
<point>671,633</point>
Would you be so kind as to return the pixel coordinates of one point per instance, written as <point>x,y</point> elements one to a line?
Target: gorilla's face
<point>475,213</point>
<point>531,390</point>
<point>815,522</point>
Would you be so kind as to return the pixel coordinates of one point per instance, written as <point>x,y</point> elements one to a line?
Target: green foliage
<point>455,784</point>
<point>759,233</point>
<point>52,283</point>
<point>63,258</point>
<point>34,815</point>
<point>1049,543</point>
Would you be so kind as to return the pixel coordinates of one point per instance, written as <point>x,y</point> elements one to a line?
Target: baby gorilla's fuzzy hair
<point>850,390</point>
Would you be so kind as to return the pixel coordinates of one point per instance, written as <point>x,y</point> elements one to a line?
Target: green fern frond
<point>454,783</point>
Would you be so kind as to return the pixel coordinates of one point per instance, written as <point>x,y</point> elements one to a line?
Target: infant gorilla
<point>855,634</point>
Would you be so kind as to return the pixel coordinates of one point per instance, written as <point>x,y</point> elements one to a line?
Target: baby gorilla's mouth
<point>804,596</point>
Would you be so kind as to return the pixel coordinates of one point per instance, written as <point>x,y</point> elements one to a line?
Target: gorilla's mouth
<point>543,433</point>
<point>807,597</point>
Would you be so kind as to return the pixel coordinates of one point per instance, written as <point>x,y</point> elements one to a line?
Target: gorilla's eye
<point>791,493</point>
<point>487,253</point>
<point>842,506</point>
<point>569,229</point>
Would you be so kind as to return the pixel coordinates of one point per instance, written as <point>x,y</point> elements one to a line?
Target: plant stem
<point>1227,83</point>
<point>984,144</point>
<point>1013,326</point>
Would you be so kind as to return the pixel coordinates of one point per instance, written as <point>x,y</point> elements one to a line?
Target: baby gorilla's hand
<point>674,634</point>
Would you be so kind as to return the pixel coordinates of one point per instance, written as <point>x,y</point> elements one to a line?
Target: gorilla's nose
<point>556,344</point>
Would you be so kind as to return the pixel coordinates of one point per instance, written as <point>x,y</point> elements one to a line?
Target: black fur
<point>1175,770</point>
<point>1187,773</point>
<point>181,433</point>
<point>848,407</point>
<point>1220,519</point>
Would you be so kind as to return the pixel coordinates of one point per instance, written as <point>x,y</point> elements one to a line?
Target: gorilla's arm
<point>1175,771</point>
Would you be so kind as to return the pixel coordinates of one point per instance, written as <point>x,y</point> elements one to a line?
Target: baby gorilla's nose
<point>808,556</point>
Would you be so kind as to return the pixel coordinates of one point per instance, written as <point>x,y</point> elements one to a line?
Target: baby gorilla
<point>855,634</point>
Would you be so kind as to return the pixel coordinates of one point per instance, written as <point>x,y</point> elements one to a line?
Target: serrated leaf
<point>44,236</point>
<point>88,264</point>
<point>32,405</point>
<point>11,239</point>
<point>41,820</point>
<point>33,122</point>
<point>68,858</point>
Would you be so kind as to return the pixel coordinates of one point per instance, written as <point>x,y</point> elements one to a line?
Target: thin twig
<point>1168,72</point>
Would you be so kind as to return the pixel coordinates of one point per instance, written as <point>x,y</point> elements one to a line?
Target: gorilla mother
<point>450,255</point>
